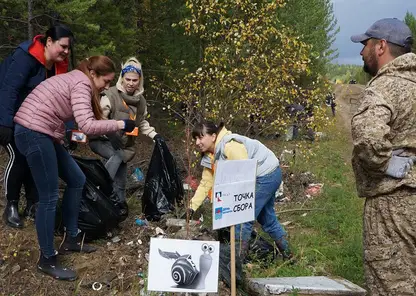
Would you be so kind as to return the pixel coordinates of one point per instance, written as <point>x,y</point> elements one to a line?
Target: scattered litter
<point>287,155</point>
<point>314,189</point>
<point>279,193</point>
<point>140,274</point>
<point>159,231</point>
<point>286,223</point>
<point>122,260</point>
<point>141,222</point>
<point>15,268</point>
<point>130,243</point>
<point>146,256</point>
<point>139,241</point>
<point>115,239</point>
<point>320,135</point>
<point>96,286</point>
<point>283,199</point>
<point>141,282</point>
<point>181,222</point>
<point>192,183</point>
<point>143,292</point>
<point>304,214</point>
<point>137,175</point>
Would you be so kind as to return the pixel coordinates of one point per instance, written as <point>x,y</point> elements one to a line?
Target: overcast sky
<point>355,16</point>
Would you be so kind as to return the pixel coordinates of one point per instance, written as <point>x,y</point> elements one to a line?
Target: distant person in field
<point>295,112</point>
<point>330,102</point>
<point>384,139</point>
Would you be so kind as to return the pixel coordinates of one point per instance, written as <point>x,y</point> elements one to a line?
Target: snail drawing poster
<point>183,265</point>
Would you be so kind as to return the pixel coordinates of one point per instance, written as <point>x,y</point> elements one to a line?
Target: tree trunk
<point>29,19</point>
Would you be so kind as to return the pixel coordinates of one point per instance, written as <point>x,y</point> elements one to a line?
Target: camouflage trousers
<point>390,245</point>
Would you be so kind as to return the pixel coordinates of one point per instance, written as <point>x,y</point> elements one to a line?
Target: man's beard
<point>371,66</point>
<point>369,70</point>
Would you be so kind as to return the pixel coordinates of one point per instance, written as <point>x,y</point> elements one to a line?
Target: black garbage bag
<point>96,173</point>
<point>100,209</point>
<point>260,250</point>
<point>163,186</point>
<point>225,266</point>
<point>98,214</point>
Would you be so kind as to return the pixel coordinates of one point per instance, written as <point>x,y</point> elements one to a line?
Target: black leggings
<point>16,174</point>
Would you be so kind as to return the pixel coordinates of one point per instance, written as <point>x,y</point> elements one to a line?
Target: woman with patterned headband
<point>123,101</point>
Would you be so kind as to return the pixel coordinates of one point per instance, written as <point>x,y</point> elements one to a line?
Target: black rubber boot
<point>75,245</point>
<point>30,210</point>
<point>51,266</point>
<point>11,214</point>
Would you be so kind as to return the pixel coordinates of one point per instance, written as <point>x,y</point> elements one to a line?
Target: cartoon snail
<point>184,272</point>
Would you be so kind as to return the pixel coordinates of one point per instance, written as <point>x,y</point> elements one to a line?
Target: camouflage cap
<point>390,29</point>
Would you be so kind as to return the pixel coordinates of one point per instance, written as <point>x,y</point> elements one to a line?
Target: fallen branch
<point>300,210</point>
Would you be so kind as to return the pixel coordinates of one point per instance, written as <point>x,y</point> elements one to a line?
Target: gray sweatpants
<point>114,165</point>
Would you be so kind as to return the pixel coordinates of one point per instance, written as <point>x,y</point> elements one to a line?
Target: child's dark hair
<point>206,127</point>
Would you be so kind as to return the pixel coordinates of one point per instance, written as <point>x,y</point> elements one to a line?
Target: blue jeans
<point>266,187</point>
<point>48,161</point>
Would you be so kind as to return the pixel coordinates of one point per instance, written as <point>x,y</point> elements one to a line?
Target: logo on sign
<point>218,213</point>
<point>218,196</point>
<point>221,211</point>
<point>226,210</point>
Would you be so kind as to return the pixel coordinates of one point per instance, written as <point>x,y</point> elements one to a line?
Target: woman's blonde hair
<point>102,65</point>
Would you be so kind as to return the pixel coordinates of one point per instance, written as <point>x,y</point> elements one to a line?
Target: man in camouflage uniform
<point>384,139</point>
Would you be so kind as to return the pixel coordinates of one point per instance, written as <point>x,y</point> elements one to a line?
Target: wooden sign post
<point>233,277</point>
<point>233,200</point>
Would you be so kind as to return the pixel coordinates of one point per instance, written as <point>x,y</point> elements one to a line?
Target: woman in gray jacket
<point>123,101</point>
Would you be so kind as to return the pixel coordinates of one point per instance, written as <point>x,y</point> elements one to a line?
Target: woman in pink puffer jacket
<point>39,134</point>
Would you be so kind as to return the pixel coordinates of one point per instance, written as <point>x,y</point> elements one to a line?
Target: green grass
<point>327,241</point>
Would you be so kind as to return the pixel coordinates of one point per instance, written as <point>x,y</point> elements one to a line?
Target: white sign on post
<point>234,192</point>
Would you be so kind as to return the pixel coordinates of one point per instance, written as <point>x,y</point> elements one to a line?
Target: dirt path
<point>347,99</point>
